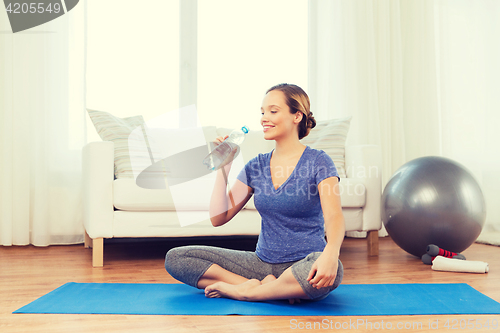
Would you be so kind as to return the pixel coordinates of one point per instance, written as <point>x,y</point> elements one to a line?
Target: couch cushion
<point>353,218</point>
<point>352,193</point>
<point>128,196</point>
<point>166,224</point>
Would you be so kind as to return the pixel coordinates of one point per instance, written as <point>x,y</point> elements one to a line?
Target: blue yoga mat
<point>346,300</point>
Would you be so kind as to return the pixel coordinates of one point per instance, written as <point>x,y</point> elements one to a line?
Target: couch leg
<point>372,241</point>
<point>88,241</point>
<point>98,252</point>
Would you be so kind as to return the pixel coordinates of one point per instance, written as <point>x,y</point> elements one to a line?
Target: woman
<point>295,190</point>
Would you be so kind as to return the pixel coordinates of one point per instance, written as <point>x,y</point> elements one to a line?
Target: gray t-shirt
<point>292,218</point>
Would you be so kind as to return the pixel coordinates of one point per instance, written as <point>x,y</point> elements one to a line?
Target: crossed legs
<point>270,288</point>
<point>215,274</point>
<point>242,275</point>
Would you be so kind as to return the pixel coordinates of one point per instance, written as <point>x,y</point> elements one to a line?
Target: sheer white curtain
<point>42,131</point>
<point>418,77</point>
<point>348,68</point>
<point>468,49</point>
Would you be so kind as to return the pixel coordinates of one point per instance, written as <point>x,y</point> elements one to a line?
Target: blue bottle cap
<point>244,129</point>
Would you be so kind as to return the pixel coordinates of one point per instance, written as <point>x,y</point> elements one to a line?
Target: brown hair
<point>297,100</point>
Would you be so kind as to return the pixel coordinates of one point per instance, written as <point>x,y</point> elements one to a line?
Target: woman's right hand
<point>228,161</point>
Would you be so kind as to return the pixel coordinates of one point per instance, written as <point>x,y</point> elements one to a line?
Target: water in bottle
<point>222,151</point>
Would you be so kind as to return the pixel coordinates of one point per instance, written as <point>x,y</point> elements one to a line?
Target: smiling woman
<point>292,259</point>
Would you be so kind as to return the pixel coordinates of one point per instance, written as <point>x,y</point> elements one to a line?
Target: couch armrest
<point>98,176</point>
<point>364,162</point>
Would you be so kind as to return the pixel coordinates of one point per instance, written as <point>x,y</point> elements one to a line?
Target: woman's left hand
<point>323,272</point>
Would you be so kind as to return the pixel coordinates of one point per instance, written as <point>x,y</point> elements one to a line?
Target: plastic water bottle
<point>222,151</point>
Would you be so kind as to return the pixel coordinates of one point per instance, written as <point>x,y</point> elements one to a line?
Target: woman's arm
<point>324,270</point>
<point>224,206</point>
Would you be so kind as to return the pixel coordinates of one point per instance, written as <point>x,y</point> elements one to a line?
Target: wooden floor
<point>27,273</point>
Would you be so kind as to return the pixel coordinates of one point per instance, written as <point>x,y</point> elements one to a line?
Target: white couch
<point>120,208</point>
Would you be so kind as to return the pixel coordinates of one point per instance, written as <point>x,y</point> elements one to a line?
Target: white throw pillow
<point>330,136</point>
<point>117,130</point>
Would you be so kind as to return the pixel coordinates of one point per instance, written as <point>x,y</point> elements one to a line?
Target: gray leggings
<point>188,263</point>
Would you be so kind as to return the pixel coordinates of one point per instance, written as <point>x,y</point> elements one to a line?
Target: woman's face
<point>277,121</point>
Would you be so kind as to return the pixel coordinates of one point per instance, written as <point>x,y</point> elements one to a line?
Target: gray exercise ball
<point>433,200</point>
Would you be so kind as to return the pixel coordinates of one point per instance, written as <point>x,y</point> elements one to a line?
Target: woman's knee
<point>301,271</point>
<point>340,275</point>
<point>175,259</point>
<point>172,259</point>
<point>324,292</point>
<point>186,264</point>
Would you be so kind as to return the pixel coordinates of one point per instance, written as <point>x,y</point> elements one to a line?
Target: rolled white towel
<point>454,265</point>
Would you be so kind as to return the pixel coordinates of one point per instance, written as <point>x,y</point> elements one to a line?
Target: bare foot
<point>238,292</point>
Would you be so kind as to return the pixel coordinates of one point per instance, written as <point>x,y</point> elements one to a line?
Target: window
<point>244,48</point>
<point>135,51</point>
